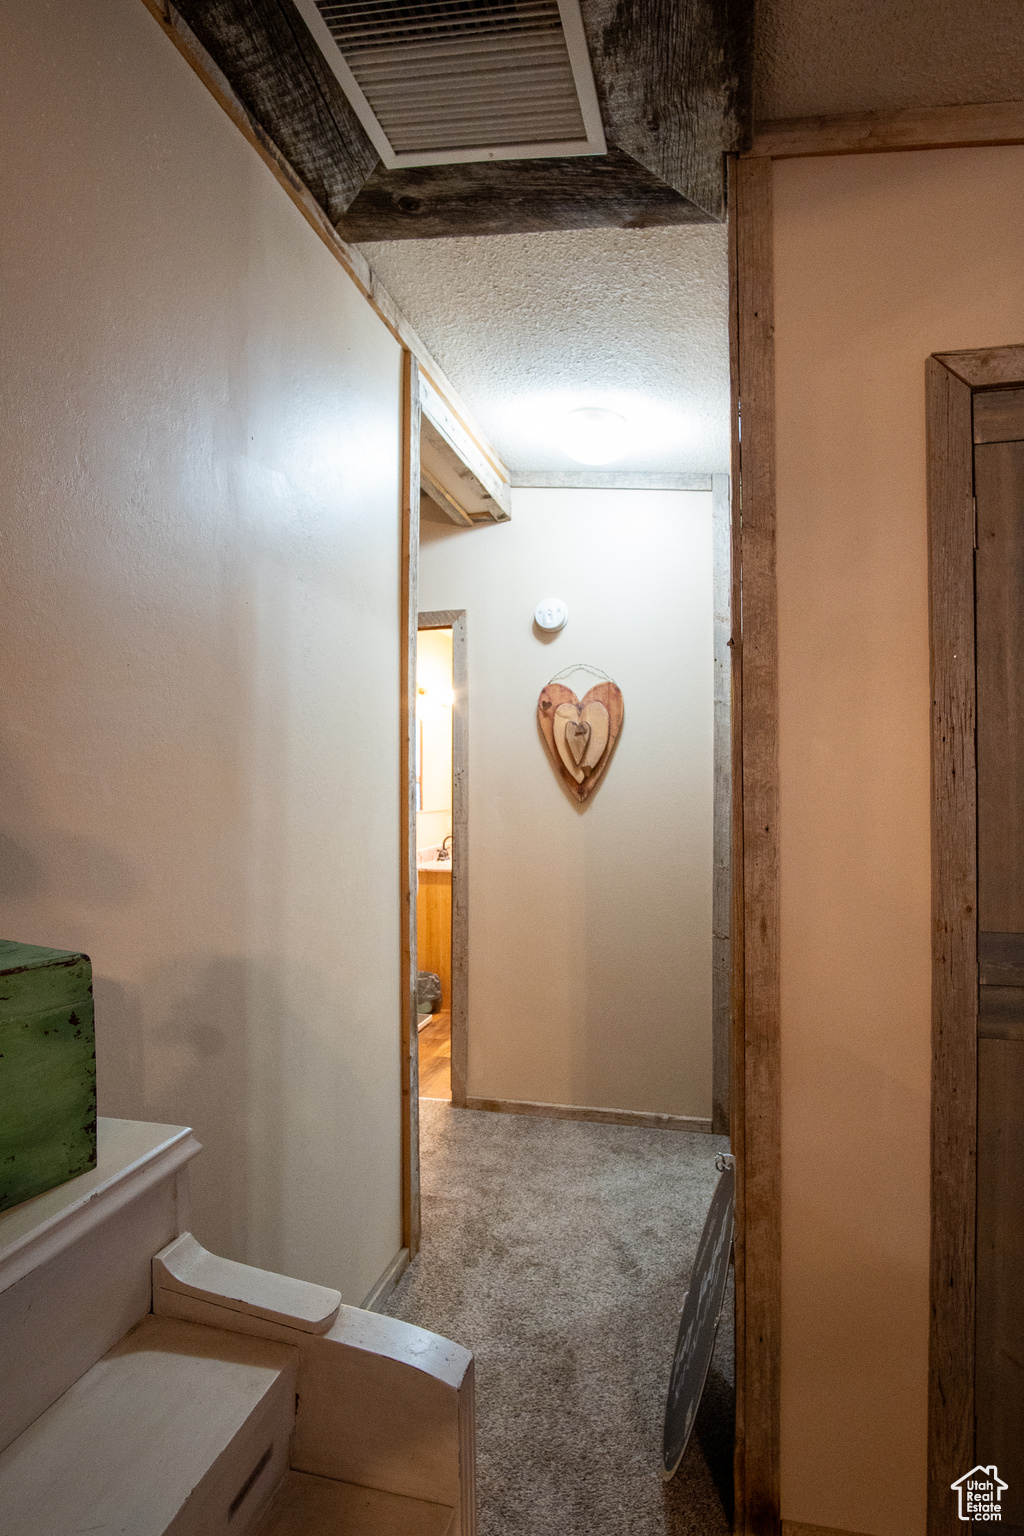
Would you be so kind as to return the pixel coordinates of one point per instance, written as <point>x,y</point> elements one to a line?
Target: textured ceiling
<point>822,56</point>
<point>529,327</point>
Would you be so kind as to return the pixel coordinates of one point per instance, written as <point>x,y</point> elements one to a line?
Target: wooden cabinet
<point>434,927</point>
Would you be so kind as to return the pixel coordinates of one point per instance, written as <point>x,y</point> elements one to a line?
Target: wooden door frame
<point>755,1118</point>
<point>455,620</point>
<point>409,625</point>
<point>952,380</point>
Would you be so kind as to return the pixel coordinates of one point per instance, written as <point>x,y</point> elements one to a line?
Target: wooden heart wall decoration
<point>580,733</point>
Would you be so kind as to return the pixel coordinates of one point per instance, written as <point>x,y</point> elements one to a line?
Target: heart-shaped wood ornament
<point>580,733</point>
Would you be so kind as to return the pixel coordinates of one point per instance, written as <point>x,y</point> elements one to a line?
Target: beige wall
<point>590,930</point>
<point>825,56</point>
<point>200,636</point>
<point>880,260</point>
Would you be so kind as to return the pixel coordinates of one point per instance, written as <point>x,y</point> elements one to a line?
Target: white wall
<point>590,928</point>
<point>880,260</point>
<point>199,737</point>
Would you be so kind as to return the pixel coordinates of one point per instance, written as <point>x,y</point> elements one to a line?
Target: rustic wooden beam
<point>265,49</point>
<point>673,78</point>
<point>674,81</point>
<point>757,1133</point>
<point>510,197</point>
<point>867,133</point>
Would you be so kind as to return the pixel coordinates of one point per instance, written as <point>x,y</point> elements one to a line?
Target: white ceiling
<point>529,327</point>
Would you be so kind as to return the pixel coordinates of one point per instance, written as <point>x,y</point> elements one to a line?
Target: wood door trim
<point>755,1118</point>
<point>721,897</point>
<point>973,125</point>
<point>986,367</point>
<point>410,493</point>
<point>951,380</point>
<point>455,620</point>
<point>441,618</point>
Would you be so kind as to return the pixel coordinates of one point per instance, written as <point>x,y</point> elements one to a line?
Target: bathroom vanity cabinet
<point>434,926</point>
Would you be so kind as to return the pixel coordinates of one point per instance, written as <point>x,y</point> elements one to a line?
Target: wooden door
<point>999,599</point>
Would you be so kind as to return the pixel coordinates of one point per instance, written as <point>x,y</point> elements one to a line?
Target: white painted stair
<point>178,1428</point>
<point>318,1506</point>
<point>149,1388</point>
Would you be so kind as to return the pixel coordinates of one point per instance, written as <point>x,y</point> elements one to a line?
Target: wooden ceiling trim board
<point>607,480</point>
<point>436,401</point>
<point>445,466</point>
<point>865,133</point>
<point>436,493</point>
<point>354,262</point>
<point>674,81</point>
<point>512,197</point>
<point>452,431</point>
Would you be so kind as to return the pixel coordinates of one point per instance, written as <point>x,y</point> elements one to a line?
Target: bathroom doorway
<point>440,804</point>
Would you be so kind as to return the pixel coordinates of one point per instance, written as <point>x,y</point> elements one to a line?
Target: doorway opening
<point>586,1001</point>
<point>441,829</point>
<point>433,798</point>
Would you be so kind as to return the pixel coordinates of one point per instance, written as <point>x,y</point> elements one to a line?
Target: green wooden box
<point>47,1069</point>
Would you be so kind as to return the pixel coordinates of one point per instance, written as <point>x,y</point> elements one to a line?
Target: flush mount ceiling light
<point>436,82</point>
<point>593,435</point>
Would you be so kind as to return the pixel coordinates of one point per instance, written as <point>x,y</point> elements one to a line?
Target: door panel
<point>999,589</point>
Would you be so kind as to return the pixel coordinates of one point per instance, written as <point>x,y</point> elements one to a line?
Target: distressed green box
<point>47,1069</point>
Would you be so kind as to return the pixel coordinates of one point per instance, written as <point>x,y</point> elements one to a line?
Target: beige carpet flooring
<point>559,1252</point>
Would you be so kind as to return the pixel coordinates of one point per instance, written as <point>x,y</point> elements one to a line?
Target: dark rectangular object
<point>999,416</point>
<point>1001,959</point>
<point>47,1069</point>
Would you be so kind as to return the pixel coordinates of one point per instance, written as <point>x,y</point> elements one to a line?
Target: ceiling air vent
<point>439,81</point>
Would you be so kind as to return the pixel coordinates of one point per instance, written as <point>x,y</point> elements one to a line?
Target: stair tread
<point>305,1505</point>
<point>125,1447</point>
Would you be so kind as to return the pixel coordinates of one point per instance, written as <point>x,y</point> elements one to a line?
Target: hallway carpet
<point>558,1252</point>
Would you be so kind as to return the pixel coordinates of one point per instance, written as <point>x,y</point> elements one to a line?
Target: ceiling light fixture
<point>593,435</point>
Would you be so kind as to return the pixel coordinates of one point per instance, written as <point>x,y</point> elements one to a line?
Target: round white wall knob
<point>550,613</point>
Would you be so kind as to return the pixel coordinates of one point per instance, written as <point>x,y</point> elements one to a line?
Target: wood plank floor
<point>436,1057</point>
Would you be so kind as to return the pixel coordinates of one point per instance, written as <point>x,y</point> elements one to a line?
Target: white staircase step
<point>317,1506</point>
<point>162,1437</point>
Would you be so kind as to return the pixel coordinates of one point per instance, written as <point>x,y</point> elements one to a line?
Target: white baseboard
<point>639,1117</point>
<point>379,1293</point>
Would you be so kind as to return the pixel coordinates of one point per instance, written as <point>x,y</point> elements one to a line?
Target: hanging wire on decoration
<point>580,666</point>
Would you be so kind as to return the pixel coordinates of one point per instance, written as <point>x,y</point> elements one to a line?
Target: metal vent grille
<point>446,80</point>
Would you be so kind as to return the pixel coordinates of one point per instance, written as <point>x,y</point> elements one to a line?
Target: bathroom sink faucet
<point>444,852</point>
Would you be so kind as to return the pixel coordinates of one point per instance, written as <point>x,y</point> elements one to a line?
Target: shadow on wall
<point>190,1062</point>
<point>21,873</point>
<point>89,869</point>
